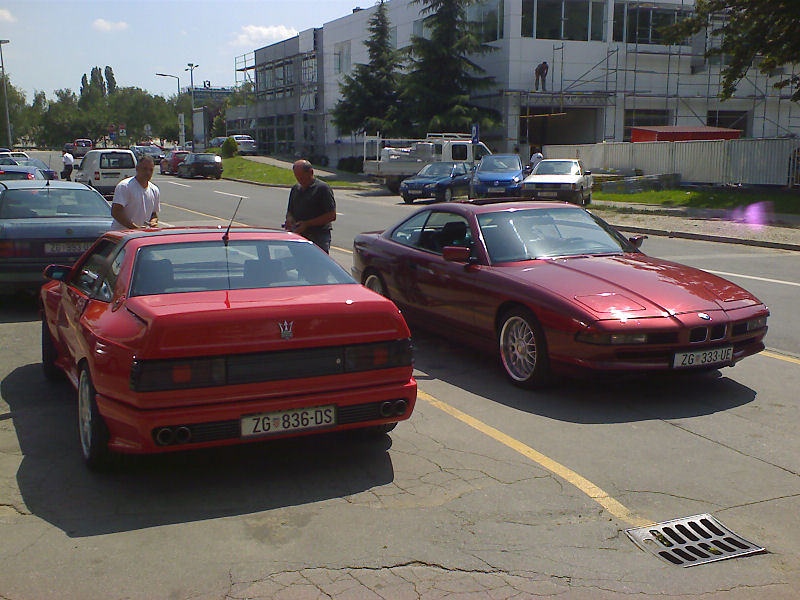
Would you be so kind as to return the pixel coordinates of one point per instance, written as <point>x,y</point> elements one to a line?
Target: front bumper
<point>484,190</point>
<point>132,430</point>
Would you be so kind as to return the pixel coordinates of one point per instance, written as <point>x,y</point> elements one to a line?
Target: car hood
<point>54,228</point>
<point>424,180</point>
<point>631,284</point>
<point>497,175</point>
<point>552,178</point>
<point>239,321</point>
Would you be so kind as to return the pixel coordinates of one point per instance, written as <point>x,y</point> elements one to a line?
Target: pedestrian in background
<point>137,202</point>
<point>69,162</point>
<point>536,157</point>
<point>311,208</point>
<point>541,73</point>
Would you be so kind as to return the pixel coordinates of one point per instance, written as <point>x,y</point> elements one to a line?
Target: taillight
<point>149,376</point>
<point>12,249</point>
<point>97,175</point>
<point>382,355</point>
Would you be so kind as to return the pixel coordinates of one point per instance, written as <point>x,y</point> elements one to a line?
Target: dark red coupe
<point>551,287</point>
<point>185,338</point>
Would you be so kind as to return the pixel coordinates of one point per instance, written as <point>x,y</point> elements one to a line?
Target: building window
<point>732,119</point>
<point>488,17</point>
<point>636,23</point>
<point>393,37</point>
<point>644,117</point>
<point>527,17</point>
<point>421,29</point>
<point>309,69</point>
<point>598,19</point>
<point>341,57</point>
<point>548,19</point>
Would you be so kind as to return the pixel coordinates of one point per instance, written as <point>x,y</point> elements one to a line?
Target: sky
<point>52,44</point>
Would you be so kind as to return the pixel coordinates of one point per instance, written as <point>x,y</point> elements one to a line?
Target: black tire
<point>92,431</point>
<point>447,195</point>
<point>408,199</point>
<point>588,200</point>
<point>49,354</point>
<point>374,282</point>
<point>393,183</point>
<point>523,349</point>
<point>219,176</point>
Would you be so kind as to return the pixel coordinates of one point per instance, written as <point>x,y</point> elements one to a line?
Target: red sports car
<point>169,164</point>
<point>551,287</point>
<point>184,338</point>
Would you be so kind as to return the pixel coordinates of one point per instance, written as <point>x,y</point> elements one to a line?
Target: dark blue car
<point>497,175</point>
<point>440,180</point>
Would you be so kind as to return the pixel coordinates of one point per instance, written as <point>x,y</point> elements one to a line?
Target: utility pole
<point>181,130</point>
<point>191,67</point>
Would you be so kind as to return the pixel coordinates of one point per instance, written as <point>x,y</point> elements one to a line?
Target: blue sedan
<point>440,180</point>
<point>497,175</point>
<point>44,222</point>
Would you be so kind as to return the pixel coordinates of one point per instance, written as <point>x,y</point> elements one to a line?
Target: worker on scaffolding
<point>541,73</point>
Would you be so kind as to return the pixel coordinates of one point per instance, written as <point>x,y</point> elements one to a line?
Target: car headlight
<point>217,159</point>
<point>759,323</point>
<point>516,179</point>
<point>430,186</point>
<point>612,339</point>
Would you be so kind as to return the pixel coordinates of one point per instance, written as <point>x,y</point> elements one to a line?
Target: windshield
<point>48,201</point>
<point>116,160</point>
<point>205,157</point>
<point>245,264</point>
<point>442,169</point>
<point>500,163</point>
<point>152,150</point>
<point>557,167</point>
<point>545,233</point>
<point>243,138</point>
<point>32,162</point>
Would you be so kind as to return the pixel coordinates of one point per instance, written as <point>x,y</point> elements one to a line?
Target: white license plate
<point>496,190</point>
<point>414,192</point>
<point>547,194</point>
<point>281,421</point>
<point>66,247</point>
<point>107,175</point>
<point>712,356</point>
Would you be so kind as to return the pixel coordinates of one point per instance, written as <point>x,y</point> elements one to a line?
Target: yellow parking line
<point>790,359</point>
<point>204,214</point>
<point>584,485</point>
<point>341,249</point>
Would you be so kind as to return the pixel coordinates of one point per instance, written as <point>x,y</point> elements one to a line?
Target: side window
<point>106,289</point>
<point>459,151</point>
<point>408,233</point>
<point>461,169</point>
<point>86,277</point>
<point>444,229</point>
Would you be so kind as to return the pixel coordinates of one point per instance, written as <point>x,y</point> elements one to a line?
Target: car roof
<point>484,206</point>
<point>559,160</point>
<point>103,150</point>
<point>177,235</point>
<point>19,168</point>
<point>58,184</point>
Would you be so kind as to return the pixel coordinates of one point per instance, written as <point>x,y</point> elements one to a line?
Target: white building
<point>608,70</point>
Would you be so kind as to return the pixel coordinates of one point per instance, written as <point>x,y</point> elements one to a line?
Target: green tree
<point>442,76</point>
<point>370,97</point>
<point>16,112</point>
<point>110,80</point>
<point>748,30</point>
<point>61,120</point>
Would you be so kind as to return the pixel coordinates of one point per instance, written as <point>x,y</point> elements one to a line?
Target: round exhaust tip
<point>165,436</point>
<point>182,435</point>
<point>387,410</point>
<point>400,407</point>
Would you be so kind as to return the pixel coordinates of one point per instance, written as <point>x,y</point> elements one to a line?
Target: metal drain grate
<point>691,541</point>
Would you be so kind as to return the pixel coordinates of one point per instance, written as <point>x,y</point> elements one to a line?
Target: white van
<point>104,169</point>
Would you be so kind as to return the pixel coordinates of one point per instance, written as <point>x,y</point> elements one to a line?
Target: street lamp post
<point>5,93</point>
<point>191,67</point>
<point>181,134</point>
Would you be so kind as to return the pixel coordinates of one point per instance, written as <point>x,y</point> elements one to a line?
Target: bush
<point>353,164</point>
<point>229,148</point>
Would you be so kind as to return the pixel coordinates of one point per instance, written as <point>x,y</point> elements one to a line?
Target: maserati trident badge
<point>704,316</point>
<point>286,329</point>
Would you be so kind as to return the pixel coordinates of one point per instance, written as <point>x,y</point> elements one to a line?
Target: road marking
<point>753,277</point>
<point>790,359</point>
<point>227,194</point>
<point>204,214</point>
<point>584,485</point>
<point>345,250</point>
<point>180,184</point>
<point>339,214</point>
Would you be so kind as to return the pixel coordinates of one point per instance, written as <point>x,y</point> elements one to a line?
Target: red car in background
<point>187,338</point>
<point>550,287</point>
<point>169,164</point>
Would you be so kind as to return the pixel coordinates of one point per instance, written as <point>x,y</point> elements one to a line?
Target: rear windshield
<point>17,175</point>
<point>83,143</point>
<point>52,202</point>
<point>116,160</point>
<point>205,157</point>
<point>245,264</point>
<point>243,138</point>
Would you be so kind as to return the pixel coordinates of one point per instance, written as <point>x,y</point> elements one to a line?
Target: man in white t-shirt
<point>69,162</point>
<point>536,158</point>
<point>137,201</point>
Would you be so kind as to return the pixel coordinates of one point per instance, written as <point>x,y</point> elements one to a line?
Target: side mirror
<point>527,170</point>
<point>57,272</point>
<point>636,241</point>
<point>587,172</point>
<point>456,254</point>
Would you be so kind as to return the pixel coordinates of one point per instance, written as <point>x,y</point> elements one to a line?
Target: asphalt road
<point>488,491</point>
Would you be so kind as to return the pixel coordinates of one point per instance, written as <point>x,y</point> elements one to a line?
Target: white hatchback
<point>559,179</point>
<point>104,169</point>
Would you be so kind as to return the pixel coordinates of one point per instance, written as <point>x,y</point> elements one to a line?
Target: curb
<point>708,238</point>
<point>284,185</point>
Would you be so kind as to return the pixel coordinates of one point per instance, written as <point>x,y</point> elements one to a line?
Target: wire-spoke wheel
<point>523,350</point>
<point>91,427</point>
<point>374,282</point>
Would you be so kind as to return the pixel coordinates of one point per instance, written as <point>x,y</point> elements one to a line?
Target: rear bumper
<point>132,430</point>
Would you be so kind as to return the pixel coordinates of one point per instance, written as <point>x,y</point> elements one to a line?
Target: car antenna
<point>226,235</point>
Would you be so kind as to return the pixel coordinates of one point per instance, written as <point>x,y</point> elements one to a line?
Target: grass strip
<point>776,201</point>
<point>242,168</point>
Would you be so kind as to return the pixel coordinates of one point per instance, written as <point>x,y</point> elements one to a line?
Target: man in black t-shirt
<point>311,208</point>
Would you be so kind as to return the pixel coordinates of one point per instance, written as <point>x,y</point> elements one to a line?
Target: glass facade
<point>579,20</point>
<point>641,23</point>
<point>489,19</point>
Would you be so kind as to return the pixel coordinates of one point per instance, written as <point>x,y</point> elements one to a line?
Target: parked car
<point>45,222</point>
<point>41,165</point>
<point>169,164</point>
<point>14,154</point>
<point>217,141</point>
<point>202,164</point>
<point>10,172</point>
<point>497,175</point>
<point>245,144</point>
<point>69,147</point>
<point>175,340</point>
<point>104,169</point>
<point>440,180</point>
<point>81,147</point>
<point>559,179</point>
<point>549,287</point>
